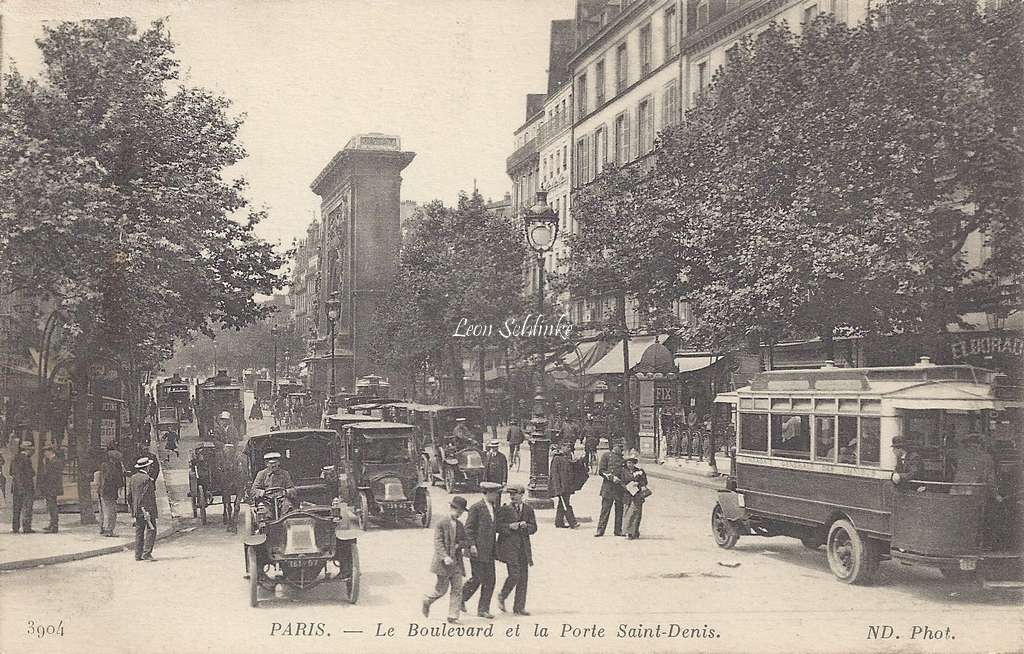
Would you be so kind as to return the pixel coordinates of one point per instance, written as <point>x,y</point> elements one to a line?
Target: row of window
<point>555,162</point>
<point>622,79</point>
<point>593,151</point>
<point>854,440</point>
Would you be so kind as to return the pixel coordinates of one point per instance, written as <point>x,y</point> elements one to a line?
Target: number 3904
<point>44,630</point>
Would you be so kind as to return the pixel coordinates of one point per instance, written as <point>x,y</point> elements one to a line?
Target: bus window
<point>825,438</point>
<point>791,436</point>
<point>922,428</point>
<point>870,441</point>
<point>754,432</point>
<point>847,439</point>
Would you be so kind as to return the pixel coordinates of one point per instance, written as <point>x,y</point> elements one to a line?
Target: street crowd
<point>494,532</point>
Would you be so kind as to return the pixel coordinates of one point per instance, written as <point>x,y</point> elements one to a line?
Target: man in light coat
<point>449,544</point>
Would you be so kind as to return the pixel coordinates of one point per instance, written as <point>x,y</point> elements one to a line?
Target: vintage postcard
<point>511,326</point>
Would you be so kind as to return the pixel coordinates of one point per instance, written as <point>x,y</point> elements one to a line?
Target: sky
<point>449,77</point>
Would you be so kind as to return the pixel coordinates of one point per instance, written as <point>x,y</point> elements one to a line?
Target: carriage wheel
<point>202,504</point>
<point>364,511</point>
<point>353,580</point>
<point>254,576</point>
<point>427,510</point>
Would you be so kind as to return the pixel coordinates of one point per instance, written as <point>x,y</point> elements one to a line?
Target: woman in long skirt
<point>635,496</point>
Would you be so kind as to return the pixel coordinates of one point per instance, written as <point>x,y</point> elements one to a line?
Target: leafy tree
<point>829,181</point>
<point>116,206</point>
<point>461,262</point>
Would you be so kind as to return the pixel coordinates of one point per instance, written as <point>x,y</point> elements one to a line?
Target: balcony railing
<point>552,128</point>
<point>522,155</point>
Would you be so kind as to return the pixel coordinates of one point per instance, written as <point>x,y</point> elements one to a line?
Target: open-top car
<point>380,473</point>
<point>452,444</point>
<point>301,536</point>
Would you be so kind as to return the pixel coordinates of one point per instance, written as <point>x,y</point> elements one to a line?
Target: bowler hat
<point>458,502</point>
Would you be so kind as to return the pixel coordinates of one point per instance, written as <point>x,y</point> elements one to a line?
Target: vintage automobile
<point>338,421</point>
<point>380,475</point>
<point>315,541</point>
<point>216,395</point>
<point>455,462</point>
<point>263,393</point>
<point>879,464</point>
<point>174,393</point>
<point>205,477</point>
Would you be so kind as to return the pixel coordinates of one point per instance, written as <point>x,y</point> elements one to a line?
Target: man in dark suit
<point>495,464</point>
<point>480,525</point>
<point>611,468</point>
<point>516,522</point>
<point>50,484</point>
<point>23,488</point>
<point>142,497</point>
<point>562,485</point>
<point>449,544</point>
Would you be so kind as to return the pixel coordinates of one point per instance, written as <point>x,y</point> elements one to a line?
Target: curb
<point>684,478</point>
<point>161,534</point>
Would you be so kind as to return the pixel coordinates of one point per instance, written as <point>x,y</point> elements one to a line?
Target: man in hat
<point>515,439</point>
<point>142,498</point>
<point>110,482</point>
<point>51,484</point>
<point>224,431</point>
<point>461,434</point>
<point>562,485</point>
<point>23,488</point>
<point>495,464</point>
<point>516,522</point>
<point>274,476</point>
<point>611,468</point>
<point>449,544</point>
<point>480,529</point>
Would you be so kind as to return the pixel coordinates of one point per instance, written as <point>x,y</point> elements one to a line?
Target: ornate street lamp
<point>540,223</point>
<point>333,313</point>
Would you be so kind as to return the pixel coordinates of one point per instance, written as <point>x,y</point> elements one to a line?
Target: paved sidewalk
<point>74,541</point>
<point>696,473</point>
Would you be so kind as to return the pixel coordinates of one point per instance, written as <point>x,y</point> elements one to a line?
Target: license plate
<point>968,564</point>
<point>310,563</point>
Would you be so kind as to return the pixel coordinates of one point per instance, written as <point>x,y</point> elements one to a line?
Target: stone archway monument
<point>360,200</point>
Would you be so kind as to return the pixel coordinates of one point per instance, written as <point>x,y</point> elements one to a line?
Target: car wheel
<point>726,533</point>
<point>202,504</point>
<point>251,561</point>
<point>449,480</point>
<point>353,580</point>
<point>427,514</point>
<point>852,558</point>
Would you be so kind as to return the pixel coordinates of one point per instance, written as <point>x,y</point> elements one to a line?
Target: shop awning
<point>574,362</point>
<point>611,363</point>
<point>693,364</point>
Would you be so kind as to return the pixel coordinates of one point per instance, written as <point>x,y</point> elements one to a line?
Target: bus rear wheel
<point>726,533</point>
<point>852,557</point>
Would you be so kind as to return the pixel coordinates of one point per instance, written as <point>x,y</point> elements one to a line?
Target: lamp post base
<point>538,499</point>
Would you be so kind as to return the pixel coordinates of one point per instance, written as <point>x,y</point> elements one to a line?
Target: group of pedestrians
<point>493,532</point>
<point>624,488</point>
<point>26,483</point>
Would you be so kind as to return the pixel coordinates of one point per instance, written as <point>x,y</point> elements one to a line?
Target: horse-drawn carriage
<point>213,470</point>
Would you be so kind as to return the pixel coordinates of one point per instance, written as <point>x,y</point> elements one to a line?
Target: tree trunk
<point>483,396</point>
<point>83,435</point>
<point>455,367</point>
